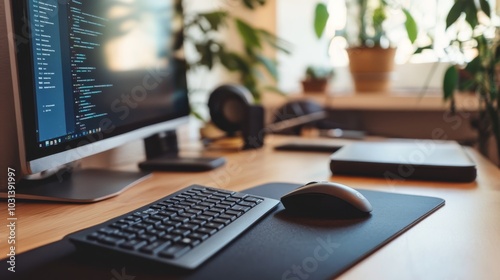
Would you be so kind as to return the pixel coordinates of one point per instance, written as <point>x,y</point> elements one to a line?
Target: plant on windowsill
<point>371,53</point>
<point>316,79</point>
<point>483,70</point>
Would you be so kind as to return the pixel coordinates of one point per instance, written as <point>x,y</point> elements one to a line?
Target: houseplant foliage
<point>251,65</point>
<point>483,69</point>
<point>367,35</point>
<point>316,78</point>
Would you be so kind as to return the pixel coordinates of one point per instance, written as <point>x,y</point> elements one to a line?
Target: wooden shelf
<point>394,101</point>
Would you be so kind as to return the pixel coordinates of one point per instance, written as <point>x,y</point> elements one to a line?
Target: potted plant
<point>316,79</point>
<point>371,54</point>
<point>483,70</point>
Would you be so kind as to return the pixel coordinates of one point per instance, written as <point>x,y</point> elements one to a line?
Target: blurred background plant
<point>369,27</point>
<point>318,73</point>
<point>370,47</point>
<point>316,78</point>
<point>478,36</point>
<point>203,31</point>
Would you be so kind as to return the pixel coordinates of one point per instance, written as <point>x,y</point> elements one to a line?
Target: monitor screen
<point>94,74</point>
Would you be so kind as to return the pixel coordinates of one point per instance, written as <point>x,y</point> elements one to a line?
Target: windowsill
<point>392,101</point>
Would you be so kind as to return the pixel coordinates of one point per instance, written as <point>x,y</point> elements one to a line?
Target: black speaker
<point>231,110</point>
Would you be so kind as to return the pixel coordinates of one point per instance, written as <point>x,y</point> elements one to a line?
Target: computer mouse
<point>327,199</point>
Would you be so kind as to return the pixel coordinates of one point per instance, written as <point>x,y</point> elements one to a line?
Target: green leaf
<point>215,19</point>
<point>252,4</point>
<point>471,14</point>
<point>234,62</point>
<point>321,16</point>
<point>249,34</point>
<point>421,49</point>
<point>474,66</point>
<point>485,6</point>
<point>450,82</point>
<point>455,12</point>
<point>411,26</point>
<point>275,41</point>
<point>197,115</point>
<point>270,65</point>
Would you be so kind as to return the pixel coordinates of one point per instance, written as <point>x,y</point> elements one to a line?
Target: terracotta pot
<point>314,86</point>
<point>371,68</point>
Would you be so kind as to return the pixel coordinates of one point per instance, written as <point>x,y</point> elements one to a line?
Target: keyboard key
<point>231,212</point>
<point>190,227</point>
<point>134,230</point>
<point>174,251</point>
<point>209,231</point>
<point>152,222</point>
<point>189,242</point>
<point>140,215</point>
<point>133,219</point>
<point>181,232</point>
<point>155,232</point>
<point>198,222</point>
<point>199,236</point>
<point>217,210</point>
<point>111,240</point>
<point>214,225</point>
<point>159,217</point>
<point>164,228</point>
<point>240,208</point>
<point>247,203</point>
<point>211,200</point>
<point>155,247</point>
<point>124,235</point>
<point>211,214</point>
<point>147,237</point>
<point>95,236</point>
<point>150,211</point>
<point>205,218</point>
<point>180,219</point>
<point>239,195</point>
<point>107,230</point>
<point>168,214</point>
<point>228,217</point>
<point>222,221</point>
<point>171,237</point>
<point>172,223</point>
<point>143,226</point>
<point>194,212</point>
<point>187,215</point>
<point>133,244</point>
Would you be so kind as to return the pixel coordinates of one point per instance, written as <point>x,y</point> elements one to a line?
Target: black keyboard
<point>183,229</point>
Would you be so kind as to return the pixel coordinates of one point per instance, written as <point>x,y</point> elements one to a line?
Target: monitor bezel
<point>32,159</point>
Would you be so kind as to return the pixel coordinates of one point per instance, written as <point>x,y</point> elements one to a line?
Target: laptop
<point>405,160</point>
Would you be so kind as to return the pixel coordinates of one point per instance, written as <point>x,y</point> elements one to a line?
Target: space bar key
<point>174,251</point>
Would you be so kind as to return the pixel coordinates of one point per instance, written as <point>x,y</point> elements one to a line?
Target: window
<point>295,24</point>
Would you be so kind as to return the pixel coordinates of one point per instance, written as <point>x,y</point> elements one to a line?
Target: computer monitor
<point>88,76</point>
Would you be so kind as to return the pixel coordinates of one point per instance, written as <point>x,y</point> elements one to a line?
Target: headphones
<point>231,110</point>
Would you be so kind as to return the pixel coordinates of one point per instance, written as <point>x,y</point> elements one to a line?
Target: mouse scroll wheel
<point>310,183</point>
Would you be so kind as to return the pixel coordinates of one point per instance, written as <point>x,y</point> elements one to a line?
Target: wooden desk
<point>460,241</point>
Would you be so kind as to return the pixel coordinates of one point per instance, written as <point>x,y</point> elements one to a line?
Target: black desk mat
<point>278,247</point>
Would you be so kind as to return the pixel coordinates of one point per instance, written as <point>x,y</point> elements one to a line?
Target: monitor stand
<point>79,186</point>
<point>162,154</point>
